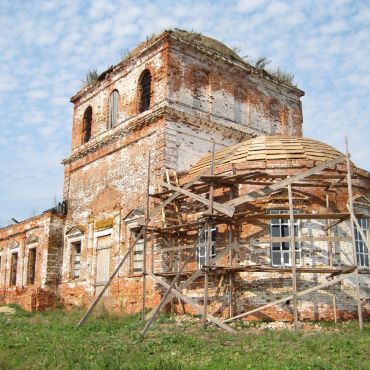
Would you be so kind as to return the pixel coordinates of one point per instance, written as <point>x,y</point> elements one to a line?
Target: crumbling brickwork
<point>44,235</point>
<point>196,92</point>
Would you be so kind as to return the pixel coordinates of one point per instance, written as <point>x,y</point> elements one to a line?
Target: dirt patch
<point>7,310</point>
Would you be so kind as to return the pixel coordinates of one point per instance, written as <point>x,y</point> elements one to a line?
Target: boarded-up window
<point>75,260</point>
<point>137,261</point>
<point>31,266</point>
<point>113,109</point>
<point>103,246</point>
<point>13,269</point>
<point>87,121</point>
<point>145,90</point>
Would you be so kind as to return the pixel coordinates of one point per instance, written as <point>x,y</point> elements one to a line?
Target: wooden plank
<point>281,184</point>
<point>191,303</point>
<point>289,297</point>
<point>304,239</point>
<point>227,210</point>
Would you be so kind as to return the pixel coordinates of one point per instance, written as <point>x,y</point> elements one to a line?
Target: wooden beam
<point>209,238</point>
<point>289,297</point>
<point>292,253</point>
<point>267,190</point>
<point>227,210</point>
<point>145,240</point>
<point>350,202</point>
<point>191,303</point>
<point>330,253</point>
<point>278,239</point>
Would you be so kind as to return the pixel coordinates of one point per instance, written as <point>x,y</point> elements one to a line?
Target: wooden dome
<point>265,148</point>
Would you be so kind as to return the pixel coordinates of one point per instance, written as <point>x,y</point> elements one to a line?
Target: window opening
<point>31,267</point>
<point>280,228</point>
<point>201,252</point>
<point>145,90</point>
<point>362,252</point>
<point>13,269</point>
<point>75,260</point>
<point>113,109</point>
<point>137,265</point>
<point>87,121</point>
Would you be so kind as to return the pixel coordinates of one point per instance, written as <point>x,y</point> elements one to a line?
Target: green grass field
<point>50,340</point>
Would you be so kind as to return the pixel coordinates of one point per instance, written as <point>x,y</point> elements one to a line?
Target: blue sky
<point>48,46</point>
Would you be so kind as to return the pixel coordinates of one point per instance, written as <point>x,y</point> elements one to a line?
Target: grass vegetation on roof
<point>50,340</point>
<point>91,77</point>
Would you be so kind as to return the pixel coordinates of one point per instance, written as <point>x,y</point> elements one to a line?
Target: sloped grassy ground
<point>50,340</point>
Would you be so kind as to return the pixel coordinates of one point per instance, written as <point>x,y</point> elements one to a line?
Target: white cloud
<point>47,48</point>
<point>36,94</point>
<point>249,5</point>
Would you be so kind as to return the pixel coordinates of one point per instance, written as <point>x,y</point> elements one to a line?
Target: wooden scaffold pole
<point>331,257</point>
<point>351,211</point>
<point>145,239</point>
<point>209,237</point>
<point>293,257</point>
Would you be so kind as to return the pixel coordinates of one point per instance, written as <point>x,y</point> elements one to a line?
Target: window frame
<point>362,251</point>
<point>134,231</point>
<point>87,128</point>
<point>283,248</point>
<point>202,245</point>
<point>145,90</point>
<point>113,109</point>
<point>32,249</point>
<point>73,255</point>
<point>13,268</point>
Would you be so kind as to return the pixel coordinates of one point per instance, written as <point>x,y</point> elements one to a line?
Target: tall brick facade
<point>173,96</point>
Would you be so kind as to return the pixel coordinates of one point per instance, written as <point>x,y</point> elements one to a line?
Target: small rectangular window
<point>13,269</point>
<point>137,265</point>
<point>75,260</point>
<point>201,253</point>
<point>280,228</point>
<point>362,252</point>
<point>31,267</point>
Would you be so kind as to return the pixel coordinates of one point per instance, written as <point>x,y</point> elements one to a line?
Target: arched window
<point>145,87</point>
<point>113,109</point>
<point>87,125</point>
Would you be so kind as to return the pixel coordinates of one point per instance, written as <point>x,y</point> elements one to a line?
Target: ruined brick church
<point>183,114</point>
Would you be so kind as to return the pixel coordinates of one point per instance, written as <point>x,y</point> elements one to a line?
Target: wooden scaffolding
<point>201,189</point>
